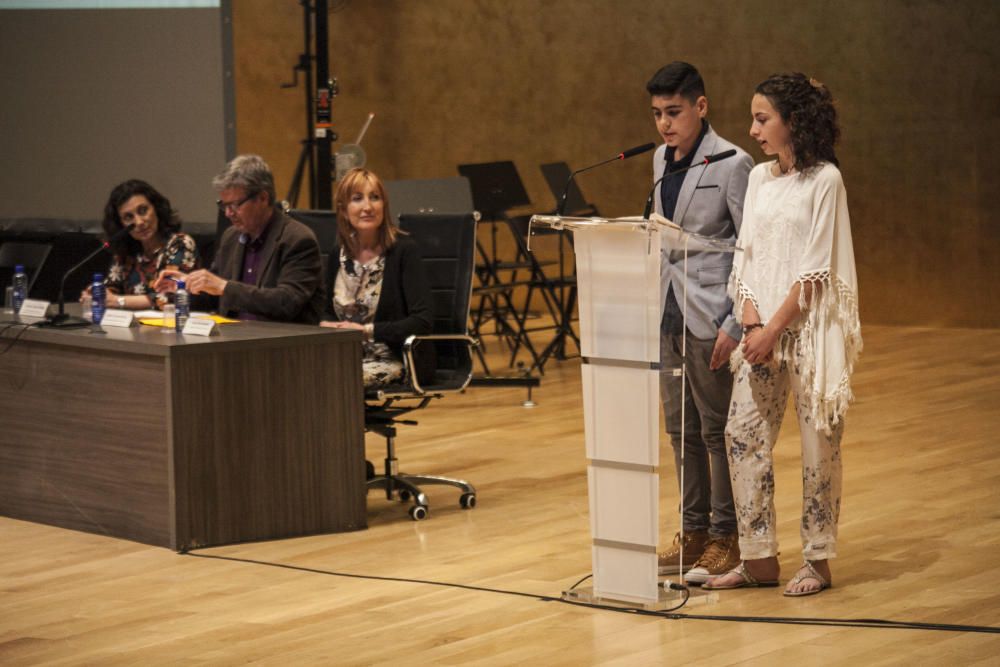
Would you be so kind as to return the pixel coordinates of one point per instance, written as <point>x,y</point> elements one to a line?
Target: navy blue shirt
<point>670,190</point>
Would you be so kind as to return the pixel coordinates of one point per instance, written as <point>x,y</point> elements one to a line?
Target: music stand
<point>496,187</point>
<point>557,176</point>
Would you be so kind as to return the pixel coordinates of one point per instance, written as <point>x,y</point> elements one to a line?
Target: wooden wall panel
<point>534,81</point>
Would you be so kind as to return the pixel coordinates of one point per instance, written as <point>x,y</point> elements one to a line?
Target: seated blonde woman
<point>375,279</point>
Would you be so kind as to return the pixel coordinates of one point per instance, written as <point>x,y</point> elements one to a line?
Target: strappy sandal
<point>800,577</point>
<point>748,580</point>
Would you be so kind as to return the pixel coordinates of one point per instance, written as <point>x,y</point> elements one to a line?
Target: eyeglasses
<point>231,206</point>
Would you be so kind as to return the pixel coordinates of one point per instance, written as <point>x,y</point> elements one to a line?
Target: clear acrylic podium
<point>618,280</point>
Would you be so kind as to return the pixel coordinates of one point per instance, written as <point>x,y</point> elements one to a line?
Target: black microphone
<point>61,319</point>
<point>707,160</point>
<point>624,155</point>
<point>638,150</point>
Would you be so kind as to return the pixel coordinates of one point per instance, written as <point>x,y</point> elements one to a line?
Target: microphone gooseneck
<point>61,319</point>
<point>624,155</point>
<point>704,162</point>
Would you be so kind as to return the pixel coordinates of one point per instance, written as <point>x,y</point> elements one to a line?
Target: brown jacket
<point>289,287</point>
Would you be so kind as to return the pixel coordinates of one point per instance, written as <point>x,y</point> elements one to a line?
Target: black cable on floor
<point>668,613</point>
<point>17,336</point>
<point>372,577</point>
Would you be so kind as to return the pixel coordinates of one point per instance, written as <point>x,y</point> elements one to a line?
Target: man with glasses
<point>267,265</point>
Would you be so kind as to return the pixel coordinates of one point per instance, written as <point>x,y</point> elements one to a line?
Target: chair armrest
<point>410,364</point>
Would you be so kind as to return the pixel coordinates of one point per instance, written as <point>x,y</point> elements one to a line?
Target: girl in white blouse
<point>794,285</point>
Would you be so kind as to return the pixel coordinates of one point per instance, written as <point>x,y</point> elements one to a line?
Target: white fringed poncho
<point>796,228</point>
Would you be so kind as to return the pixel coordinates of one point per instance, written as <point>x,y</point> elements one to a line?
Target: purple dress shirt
<point>252,256</point>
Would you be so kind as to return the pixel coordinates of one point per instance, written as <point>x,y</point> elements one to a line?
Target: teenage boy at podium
<point>705,200</point>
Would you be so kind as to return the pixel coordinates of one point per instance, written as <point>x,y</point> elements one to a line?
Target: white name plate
<point>199,326</point>
<point>118,318</point>
<point>33,308</point>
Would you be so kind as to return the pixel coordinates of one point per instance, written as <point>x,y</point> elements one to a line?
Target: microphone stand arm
<point>562,200</point>
<point>62,283</point>
<point>61,319</point>
<point>705,161</point>
<point>649,200</point>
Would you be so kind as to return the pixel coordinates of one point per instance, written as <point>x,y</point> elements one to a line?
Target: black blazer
<point>405,304</point>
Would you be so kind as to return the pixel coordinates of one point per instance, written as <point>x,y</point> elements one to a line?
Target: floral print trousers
<point>379,366</point>
<point>760,395</point>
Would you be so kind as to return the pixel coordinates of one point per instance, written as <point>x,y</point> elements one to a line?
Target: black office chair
<point>324,225</point>
<point>31,255</point>
<point>448,246</point>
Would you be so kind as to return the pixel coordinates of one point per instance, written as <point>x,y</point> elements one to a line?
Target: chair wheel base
<point>405,488</point>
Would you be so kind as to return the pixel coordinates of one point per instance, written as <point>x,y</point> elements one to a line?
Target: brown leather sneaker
<point>721,555</point>
<point>694,546</point>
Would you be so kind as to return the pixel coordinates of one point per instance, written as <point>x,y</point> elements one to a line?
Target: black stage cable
<point>875,623</point>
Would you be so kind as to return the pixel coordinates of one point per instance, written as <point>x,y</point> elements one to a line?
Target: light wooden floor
<point>920,541</point>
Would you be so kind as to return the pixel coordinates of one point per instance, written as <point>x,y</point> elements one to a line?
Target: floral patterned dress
<point>135,274</point>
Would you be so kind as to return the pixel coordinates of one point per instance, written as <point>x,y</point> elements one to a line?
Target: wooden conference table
<point>183,441</point>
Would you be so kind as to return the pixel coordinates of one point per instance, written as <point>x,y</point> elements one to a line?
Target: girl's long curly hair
<point>806,106</point>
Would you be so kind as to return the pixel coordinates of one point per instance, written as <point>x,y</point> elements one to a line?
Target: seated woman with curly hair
<point>153,244</point>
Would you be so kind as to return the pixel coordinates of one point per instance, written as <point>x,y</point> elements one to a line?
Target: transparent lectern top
<point>671,235</point>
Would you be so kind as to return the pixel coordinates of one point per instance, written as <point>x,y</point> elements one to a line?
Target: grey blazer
<point>710,203</point>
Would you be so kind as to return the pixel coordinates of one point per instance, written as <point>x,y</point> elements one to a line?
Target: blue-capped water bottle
<point>97,298</point>
<point>182,305</point>
<point>20,287</point>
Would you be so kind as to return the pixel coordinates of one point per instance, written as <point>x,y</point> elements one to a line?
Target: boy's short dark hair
<point>677,78</point>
